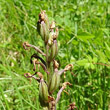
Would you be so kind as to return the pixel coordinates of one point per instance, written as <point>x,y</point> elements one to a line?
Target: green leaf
<point>89,100</point>
<point>82,62</point>
<point>89,58</point>
<point>92,66</point>
<point>107,47</point>
<point>102,56</point>
<point>84,36</point>
<point>87,65</point>
<point>95,59</point>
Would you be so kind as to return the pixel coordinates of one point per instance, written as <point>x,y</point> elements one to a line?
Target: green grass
<point>84,40</point>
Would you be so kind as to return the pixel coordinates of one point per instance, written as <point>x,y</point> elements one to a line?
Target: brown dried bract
<point>66,83</point>
<point>72,106</point>
<point>42,15</point>
<point>39,75</point>
<point>25,45</point>
<point>68,67</point>
<point>55,64</point>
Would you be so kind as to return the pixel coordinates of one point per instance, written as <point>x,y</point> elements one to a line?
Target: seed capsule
<point>43,93</point>
<point>44,31</point>
<point>54,82</point>
<point>54,50</point>
<point>43,26</point>
<point>50,41</point>
<point>56,34</point>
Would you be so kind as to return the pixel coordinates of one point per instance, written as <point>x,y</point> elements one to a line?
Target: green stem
<point>48,63</point>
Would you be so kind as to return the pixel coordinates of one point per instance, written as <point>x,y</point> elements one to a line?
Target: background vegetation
<point>84,41</point>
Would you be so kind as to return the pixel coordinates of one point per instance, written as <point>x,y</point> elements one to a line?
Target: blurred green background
<point>84,41</point>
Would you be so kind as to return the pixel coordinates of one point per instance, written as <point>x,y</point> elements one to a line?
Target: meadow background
<point>84,41</point>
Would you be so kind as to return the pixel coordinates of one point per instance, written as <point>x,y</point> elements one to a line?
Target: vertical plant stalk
<point>48,63</point>
<point>47,86</point>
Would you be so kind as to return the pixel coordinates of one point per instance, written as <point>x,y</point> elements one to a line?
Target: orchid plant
<point>47,86</point>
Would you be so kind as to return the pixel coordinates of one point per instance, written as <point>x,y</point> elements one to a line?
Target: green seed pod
<point>54,82</point>
<point>43,93</point>
<point>44,31</point>
<point>50,41</point>
<point>43,26</point>
<point>46,21</point>
<point>54,50</point>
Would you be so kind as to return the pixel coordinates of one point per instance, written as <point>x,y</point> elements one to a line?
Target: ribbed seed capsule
<point>44,31</point>
<point>43,93</point>
<point>54,82</point>
<point>50,41</point>
<point>43,26</point>
<point>46,21</point>
<point>54,50</point>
